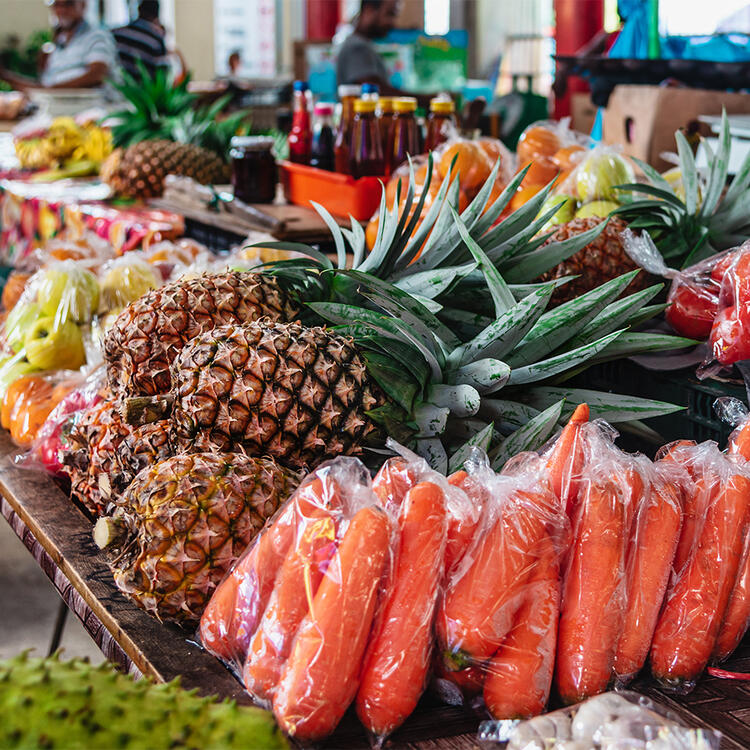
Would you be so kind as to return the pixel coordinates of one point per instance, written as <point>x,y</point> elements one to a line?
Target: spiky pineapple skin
<point>142,167</point>
<point>298,394</point>
<point>600,261</point>
<point>107,453</point>
<point>149,333</point>
<point>71,705</point>
<point>186,520</point>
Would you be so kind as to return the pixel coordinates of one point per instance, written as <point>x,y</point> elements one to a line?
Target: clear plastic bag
<point>124,280</point>
<point>611,721</point>
<point>294,615</point>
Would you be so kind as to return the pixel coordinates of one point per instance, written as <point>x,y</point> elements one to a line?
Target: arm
<point>19,82</point>
<point>95,75</point>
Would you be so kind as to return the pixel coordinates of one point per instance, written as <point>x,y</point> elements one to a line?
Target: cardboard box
<point>582,113</point>
<point>644,118</point>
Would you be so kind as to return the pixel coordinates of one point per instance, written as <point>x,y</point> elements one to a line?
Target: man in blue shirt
<point>79,57</point>
<point>142,40</point>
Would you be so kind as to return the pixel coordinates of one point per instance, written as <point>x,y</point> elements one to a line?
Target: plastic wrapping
<point>124,280</point>
<point>612,721</point>
<point>172,258</point>
<point>294,615</point>
<point>496,622</point>
<point>708,560</point>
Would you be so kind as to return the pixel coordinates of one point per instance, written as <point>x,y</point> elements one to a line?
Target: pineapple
<point>603,259</point>
<point>183,522</point>
<point>139,170</point>
<point>106,454</point>
<point>149,333</point>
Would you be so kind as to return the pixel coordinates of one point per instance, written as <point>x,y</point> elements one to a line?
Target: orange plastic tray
<point>339,193</point>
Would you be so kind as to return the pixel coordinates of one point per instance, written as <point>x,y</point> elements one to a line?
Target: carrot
<point>394,479</point>
<point>566,459</point>
<point>651,548</point>
<point>455,687</point>
<point>695,504</point>
<point>398,658</point>
<point>478,609</point>
<point>458,478</point>
<point>592,606</point>
<point>319,679</point>
<point>689,624</point>
<point>296,584</point>
<point>519,675</point>
<point>232,616</point>
<point>737,618</point>
<point>740,442</point>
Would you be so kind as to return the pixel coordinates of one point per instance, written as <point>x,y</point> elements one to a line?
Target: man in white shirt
<point>80,56</point>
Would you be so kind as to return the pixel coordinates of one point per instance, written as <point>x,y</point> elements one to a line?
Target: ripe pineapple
<point>149,333</point>
<point>183,522</point>
<point>139,170</point>
<point>603,259</point>
<point>107,453</point>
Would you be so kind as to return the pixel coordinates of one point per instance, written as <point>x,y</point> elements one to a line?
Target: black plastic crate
<point>698,421</point>
<point>214,238</point>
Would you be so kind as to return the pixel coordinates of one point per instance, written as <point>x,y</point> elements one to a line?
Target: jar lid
<point>323,109</point>
<point>364,105</point>
<point>385,103</point>
<point>349,89</point>
<point>253,142</point>
<point>405,104</point>
<point>443,106</point>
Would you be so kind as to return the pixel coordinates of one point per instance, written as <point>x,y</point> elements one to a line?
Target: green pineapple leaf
<point>480,440</point>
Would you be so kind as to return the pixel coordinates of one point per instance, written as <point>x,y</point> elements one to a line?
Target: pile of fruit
<point>66,147</point>
<point>567,572</point>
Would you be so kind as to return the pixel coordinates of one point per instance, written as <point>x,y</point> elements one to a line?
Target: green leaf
<point>481,440</point>
<point>433,283</point>
<point>338,237</point>
<point>631,344</point>
<point>531,436</point>
<point>358,242</point>
<point>486,375</point>
<point>390,377</point>
<point>508,415</point>
<point>653,175</point>
<point>667,196</point>
<point>718,175</point>
<point>689,173</point>
<point>297,247</point>
<point>492,214</point>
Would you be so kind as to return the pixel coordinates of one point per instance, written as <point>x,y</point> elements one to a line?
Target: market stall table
<point>59,537</point>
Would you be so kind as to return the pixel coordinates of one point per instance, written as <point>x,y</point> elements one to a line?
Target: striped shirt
<point>141,40</point>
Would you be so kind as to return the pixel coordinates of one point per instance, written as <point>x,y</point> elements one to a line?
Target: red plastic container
<point>341,194</point>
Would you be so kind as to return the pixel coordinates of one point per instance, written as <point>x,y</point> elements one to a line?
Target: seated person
<point>142,40</point>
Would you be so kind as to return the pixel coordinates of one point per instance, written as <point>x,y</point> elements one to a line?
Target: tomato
<point>722,266</point>
<point>730,337</point>
<point>692,311</point>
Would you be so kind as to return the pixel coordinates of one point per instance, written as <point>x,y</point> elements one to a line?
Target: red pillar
<point>576,23</point>
<point>322,17</point>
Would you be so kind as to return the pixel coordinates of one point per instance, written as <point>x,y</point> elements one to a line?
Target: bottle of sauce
<point>300,136</point>
<point>439,122</point>
<point>403,136</point>
<point>384,112</point>
<point>322,149</point>
<point>366,153</point>
<point>348,94</point>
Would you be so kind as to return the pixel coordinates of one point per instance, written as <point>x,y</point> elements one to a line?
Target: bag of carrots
<point>708,566</point>
<point>497,621</point>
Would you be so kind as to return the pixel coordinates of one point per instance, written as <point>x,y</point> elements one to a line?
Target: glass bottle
<point>348,94</point>
<point>300,136</point>
<point>322,149</point>
<point>384,112</point>
<point>403,136</point>
<point>366,153</point>
<point>442,116</point>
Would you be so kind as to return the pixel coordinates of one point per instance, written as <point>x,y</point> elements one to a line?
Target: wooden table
<point>59,537</point>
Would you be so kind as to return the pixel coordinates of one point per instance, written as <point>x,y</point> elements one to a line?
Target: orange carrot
<point>398,658</point>
<point>737,618</point>
<point>458,478</point>
<point>566,459</point>
<point>740,442</point>
<point>479,608</point>
<point>462,526</point>
<point>394,479</point>
<point>296,584</point>
<point>463,684</point>
<point>519,675</point>
<point>689,623</point>
<point>651,548</point>
<point>319,679</point>
<point>695,504</point>
<point>592,606</point>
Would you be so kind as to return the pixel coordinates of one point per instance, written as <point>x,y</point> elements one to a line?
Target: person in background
<point>79,56</point>
<point>143,40</point>
<point>235,63</point>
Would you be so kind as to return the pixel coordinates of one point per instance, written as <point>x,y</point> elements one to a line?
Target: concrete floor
<point>29,605</point>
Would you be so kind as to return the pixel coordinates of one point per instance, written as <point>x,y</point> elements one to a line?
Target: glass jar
<point>253,168</point>
<point>441,120</point>
<point>403,136</point>
<point>366,153</point>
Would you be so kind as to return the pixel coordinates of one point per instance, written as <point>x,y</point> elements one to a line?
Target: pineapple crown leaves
<point>703,223</point>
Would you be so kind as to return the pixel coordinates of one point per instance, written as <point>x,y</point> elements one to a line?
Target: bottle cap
<point>443,106</point>
<point>253,142</point>
<point>300,86</point>
<point>364,105</point>
<point>385,104</point>
<point>323,109</point>
<point>370,88</point>
<point>405,104</point>
<point>349,89</point>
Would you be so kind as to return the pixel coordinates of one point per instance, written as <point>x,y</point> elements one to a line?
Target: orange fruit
<point>371,232</point>
<point>472,163</point>
<point>568,157</point>
<point>497,189</point>
<point>493,148</point>
<point>537,141</point>
<point>541,171</point>
<point>66,253</point>
<point>523,195</point>
<point>14,288</point>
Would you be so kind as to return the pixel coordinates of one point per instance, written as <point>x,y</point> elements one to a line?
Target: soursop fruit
<point>50,703</point>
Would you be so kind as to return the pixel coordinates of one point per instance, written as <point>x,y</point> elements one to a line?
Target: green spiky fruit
<point>49,703</point>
